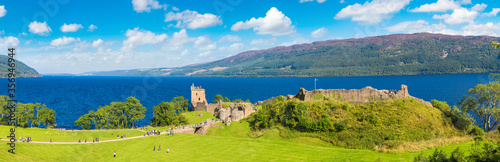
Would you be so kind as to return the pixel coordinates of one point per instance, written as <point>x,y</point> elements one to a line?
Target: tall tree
<point>46,116</point>
<point>25,114</point>
<point>180,104</point>
<point>84,121</point>
<point>136,110</point>
<point>217,98</point>
<point>4,111</point>
<point>484,101</point>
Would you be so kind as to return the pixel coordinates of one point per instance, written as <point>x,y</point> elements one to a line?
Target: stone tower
<point>198,100</point>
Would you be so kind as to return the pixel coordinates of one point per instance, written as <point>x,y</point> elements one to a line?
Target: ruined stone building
<point>234,112</point>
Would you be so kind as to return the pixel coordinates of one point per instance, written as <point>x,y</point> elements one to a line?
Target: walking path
<point>112,140</point>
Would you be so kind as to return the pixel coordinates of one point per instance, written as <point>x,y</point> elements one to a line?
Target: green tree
<point>46,116</point>
<point>4,111</point>
<point>217,98</point>
<point>226,99</point>
<point>84,121</point>
<point>136,111</point>
<point>25,114</point>
<point>163,114</point>
<point>237,100</point>
<point>247,101</point>
<point>484,101</point>
<point>180,104</point>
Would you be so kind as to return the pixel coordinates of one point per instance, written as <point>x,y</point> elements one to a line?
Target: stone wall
<point>224,114</point>
<point>198,98</point>
<point>236,115</point>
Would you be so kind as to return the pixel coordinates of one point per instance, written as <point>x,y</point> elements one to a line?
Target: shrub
<point>457,155</point>
<point>476,131</point>
<point>318,96</point>
<point>340,126</point>
<point>438,155</point>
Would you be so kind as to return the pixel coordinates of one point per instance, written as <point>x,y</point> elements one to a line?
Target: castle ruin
<point>234,112</point>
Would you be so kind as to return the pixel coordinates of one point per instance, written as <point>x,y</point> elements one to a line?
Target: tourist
<point>85,140</point>
<point>159,147</point>
<point>114,154</point>
<point>93,140</point>
<point>168,149</point>
<point>51,140</point>
<point>154,147</point>
<point>78,140</point>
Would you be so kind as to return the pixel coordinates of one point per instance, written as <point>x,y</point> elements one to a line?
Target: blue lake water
<point>72,97</point>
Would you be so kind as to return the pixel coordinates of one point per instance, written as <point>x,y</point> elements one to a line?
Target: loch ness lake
<point>73,96</point>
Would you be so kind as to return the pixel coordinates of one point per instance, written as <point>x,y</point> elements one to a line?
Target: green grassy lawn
<point>232,143</point>
<point>192,147</point>
<point>39,134</point>
<point>193,116</point>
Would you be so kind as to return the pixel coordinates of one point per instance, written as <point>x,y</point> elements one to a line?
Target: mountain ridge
<point>395,54</point>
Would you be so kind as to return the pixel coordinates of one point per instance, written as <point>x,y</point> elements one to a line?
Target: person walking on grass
<point>114,154</point>
<point>168,150</point>
<point>159,147</point>
<point>154,148</point>
<point>85,140</point>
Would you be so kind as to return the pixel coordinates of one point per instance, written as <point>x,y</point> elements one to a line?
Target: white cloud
<point>440,6</point>
<point>372,12</point>
<point>493,12</point>
<point>192,19</point>
<point>320,33</point>
<point>147,5</point>
<point>229,38</point>
<point>461,15</point>
<point>319,1</point>
<point>274,23</point>
<point>92,27</point>
<point>63,41</point>
<point>233,47</point>
<point>479,7</point>
<point>3,11</point>
<point>138,37</point>
<point>342,1</point>
<point>175,8</point>
<point>416,27</point>
<point>8,42</point>
<point>177,41</point>
<point>185,52</point>
<point>71,27</point>
<point>481,29</point>
<point>264,42</point>
<point>97,43</point>
<point>39,28</point>
<point>203,43</point>
<point>296,40</point>
<point>206,53</point>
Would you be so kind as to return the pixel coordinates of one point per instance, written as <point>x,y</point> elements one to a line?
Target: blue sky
<point>70,36</point>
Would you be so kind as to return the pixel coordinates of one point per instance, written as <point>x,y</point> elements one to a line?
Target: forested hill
<point>21,69</point>
<point>397,54</point>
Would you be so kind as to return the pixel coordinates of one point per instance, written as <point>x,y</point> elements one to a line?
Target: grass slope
<point>214,147</point>
<point>193,116</point>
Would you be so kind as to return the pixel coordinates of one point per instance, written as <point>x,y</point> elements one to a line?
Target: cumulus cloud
<point>8,42</point>
<point>177,41</point>
<point>461,15</point>
<point>229,38</point>
<point>320,33</point>
<point>63,41</point>
<point>274,23</point>
<point>192,19</point>
<point>319,1</point>
<point>481,29</point>
<point>440,6</point>
<point>92,27</point>
<point>97,43</point>
<point>3,11</point>
<point>185,52</point>
<point>39,28</point>
<point>372,12</point>
<point>206,53</point>
<point>416,27</point>
<point>264,42</point>
<point>147,5</point>
<point>203,43</point>
<point>138,37</point>
<point>71,27</point>
<point>233,47</point>
<point>493,12</point>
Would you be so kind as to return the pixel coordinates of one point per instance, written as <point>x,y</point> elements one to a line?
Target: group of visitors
<point>25,139</point>
<point>153,132</point>
<point>159,148</point>
<point>391,92</point>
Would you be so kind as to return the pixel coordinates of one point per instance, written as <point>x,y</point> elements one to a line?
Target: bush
<point>340,126</point>
<point>476,131</point>
<point>318,96</point>
<point>457,155</point>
